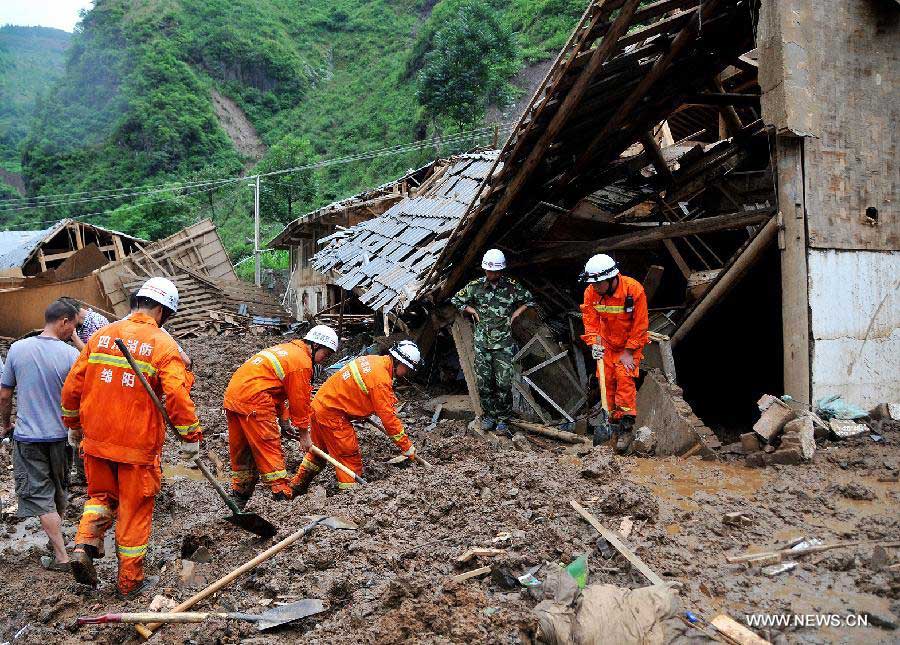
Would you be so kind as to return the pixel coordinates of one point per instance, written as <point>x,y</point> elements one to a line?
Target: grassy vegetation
<point>31,59</point>
<point>325,78</point>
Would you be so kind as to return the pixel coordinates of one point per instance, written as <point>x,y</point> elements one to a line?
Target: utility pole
<point>256,250</point>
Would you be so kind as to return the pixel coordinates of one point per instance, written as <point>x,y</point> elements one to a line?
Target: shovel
<point>248,521</point>
<point>267,620</point>
<point>146,631</point>
<point>603,430</point>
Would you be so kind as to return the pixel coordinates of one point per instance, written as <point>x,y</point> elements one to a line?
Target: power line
<point>60,199</point>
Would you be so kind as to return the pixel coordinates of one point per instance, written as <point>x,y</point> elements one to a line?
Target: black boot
<point>82,565</point>
<point>301,481</point>
<point>626,436</point>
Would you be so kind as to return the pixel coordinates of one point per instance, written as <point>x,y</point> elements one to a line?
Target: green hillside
<point>317,80</point>
<point>31,60</point>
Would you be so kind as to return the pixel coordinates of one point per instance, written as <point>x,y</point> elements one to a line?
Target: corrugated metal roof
<point>16,246</point>
<point>388,256</point>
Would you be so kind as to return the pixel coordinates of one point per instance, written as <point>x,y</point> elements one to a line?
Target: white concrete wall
<point>854,299</point>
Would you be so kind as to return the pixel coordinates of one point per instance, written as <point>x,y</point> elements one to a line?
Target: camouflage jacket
<point>494,304</point>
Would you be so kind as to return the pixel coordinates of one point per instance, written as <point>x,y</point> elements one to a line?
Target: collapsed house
<point>679,137</point>
<point>103,274</point>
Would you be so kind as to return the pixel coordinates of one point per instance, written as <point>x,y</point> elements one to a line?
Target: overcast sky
<point>62,14</point>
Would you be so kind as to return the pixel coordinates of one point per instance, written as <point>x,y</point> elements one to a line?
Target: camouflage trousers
<point>494,374</point>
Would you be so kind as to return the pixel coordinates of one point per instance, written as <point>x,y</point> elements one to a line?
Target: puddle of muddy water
<point>676,480</point>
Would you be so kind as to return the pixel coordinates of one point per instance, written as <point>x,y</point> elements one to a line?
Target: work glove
<point>75,436</point>
<point>597,351</point>
<point>189,451</point>
<point>410,454</point>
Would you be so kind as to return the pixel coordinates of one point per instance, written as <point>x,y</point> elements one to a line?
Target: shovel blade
<point>289,613</point>
<point>254,524</point>
<point>333,522</point>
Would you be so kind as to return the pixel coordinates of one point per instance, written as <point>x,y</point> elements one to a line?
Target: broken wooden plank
<point>618,545</point>
<point>478,553</point>
<point>734,630</point>
<point>465,349</point>
<point>474,573</point>
<point>537,428</point>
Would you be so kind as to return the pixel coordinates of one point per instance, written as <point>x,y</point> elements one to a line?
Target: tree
<point>467,69</point>
<point>286,196</point>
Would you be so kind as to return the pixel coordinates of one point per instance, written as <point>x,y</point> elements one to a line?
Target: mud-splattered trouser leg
<point>125,493</point>
<point>621,392</point>
<point>336,436</point>
<point>493,375</point>
<point>254,444</point>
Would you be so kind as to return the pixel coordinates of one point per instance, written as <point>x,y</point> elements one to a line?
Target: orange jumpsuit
<point>363,387</point>
<point>124,433</point>
<point>606,318</point>
<point>255,399</point>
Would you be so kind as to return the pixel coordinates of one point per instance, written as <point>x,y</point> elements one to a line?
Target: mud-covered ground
<point>388,581</point>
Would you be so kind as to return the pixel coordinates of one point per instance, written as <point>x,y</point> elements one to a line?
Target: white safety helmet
<point>323,335</point>
<point>493,260</point>
<point>407,352</point>
<point>160,290</point>
<point>599,268</point>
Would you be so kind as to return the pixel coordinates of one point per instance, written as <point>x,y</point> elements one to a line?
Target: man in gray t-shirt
<point>36,368</point>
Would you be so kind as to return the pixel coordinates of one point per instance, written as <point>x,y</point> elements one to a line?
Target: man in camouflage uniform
<point>494,302</point>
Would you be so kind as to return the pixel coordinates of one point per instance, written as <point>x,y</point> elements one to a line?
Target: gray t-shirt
<point>37,367</point>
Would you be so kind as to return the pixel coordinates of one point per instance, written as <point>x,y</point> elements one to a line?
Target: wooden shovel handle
<point>334,462</point>
<point>146,631</point>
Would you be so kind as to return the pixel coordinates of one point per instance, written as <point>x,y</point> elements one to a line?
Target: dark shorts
<point>42,476</point>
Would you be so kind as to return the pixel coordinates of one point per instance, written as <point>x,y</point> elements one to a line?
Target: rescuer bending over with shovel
<point>267,394</point>
<point>363,387</point>
<point>123,432</point>
<point>615,325</point>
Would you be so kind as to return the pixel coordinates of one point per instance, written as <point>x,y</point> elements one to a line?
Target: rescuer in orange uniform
<point>615,324</point>
<point>269,386</point>
<point>363,387</point>
<point>122,432</point>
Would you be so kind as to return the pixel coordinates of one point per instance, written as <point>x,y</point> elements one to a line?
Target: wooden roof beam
<point>684,37</point>
<point>555,251</point>
<point>600,55</point>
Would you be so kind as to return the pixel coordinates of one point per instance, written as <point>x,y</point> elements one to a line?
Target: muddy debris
<point>389,581</point>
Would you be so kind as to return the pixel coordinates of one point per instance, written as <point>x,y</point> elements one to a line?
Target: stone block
<point>644,441</point>
<point>750,442</point>
<point>774,416</point>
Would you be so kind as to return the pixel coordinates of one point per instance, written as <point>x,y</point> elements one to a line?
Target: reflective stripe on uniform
<point>120,361</point>
<point>346,485</point>
<point>186,430</point>
<point>132,551</point>
<point>242,475</point>
<point>397,437</point>
<point>276,364</point>
<point>69,413</point>
<point>275,474</point>
<point>610,309</point>
<point>354,369</point>
<point>308,464</point>
<point>95,509</point>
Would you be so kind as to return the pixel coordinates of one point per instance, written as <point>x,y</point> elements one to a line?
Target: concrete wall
<point>829,74</point>
<point>854,298</point>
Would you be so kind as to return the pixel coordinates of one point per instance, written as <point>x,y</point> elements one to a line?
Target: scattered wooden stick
<point>478,553</point>
<point>474,573</point>
<point>617,544</point>
<point>772,557</point>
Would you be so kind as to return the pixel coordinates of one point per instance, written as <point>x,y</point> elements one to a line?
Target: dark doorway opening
<point>735,354</point>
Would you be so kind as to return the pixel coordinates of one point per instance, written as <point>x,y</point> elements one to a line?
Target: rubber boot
<point>82,565</point>
<point>146,584</point>
<point>626,434</point>
<point>240,499</point>
<point>301,481</point>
